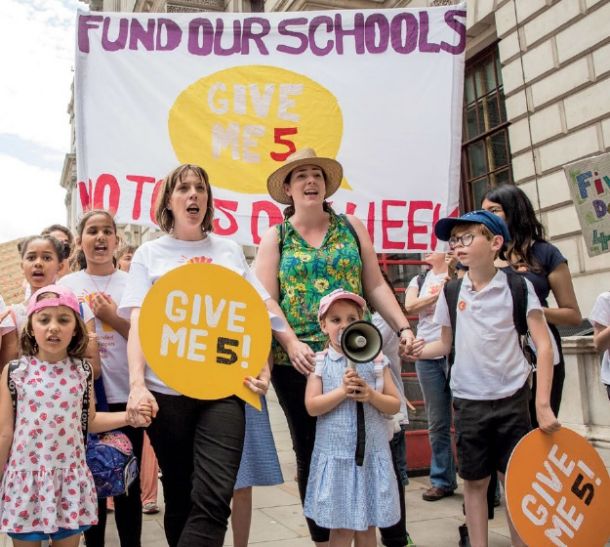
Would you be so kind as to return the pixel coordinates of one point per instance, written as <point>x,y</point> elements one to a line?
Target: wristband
<point>400,331</point>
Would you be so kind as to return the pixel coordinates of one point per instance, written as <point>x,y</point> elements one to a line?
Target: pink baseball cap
<point>339,294</point>
<point>65,297</point>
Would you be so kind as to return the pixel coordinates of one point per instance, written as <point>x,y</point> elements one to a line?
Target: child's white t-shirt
<point>600,314</point>
<point>427,329</point>
<point>155,258</point>
<point>7,325</point>
<point>112,346</point>
<point>489,362</point>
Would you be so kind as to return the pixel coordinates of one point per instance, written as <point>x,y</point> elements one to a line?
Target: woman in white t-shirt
<point>422,294</point>
<point>198,443</point>
<point>100,285</point>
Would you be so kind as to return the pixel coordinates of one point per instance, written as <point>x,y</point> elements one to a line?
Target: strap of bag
<point>452,292</point>
<point>518,291</point>
<point>12,366</point>
<point>86,398</point>
<point>420,281</point>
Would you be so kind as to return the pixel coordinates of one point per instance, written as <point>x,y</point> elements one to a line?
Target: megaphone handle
<point>360,434</point>
<point>351,364</point>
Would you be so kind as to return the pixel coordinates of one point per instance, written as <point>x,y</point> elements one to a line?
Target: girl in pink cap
<point>47,491</point>
<point>350,497</point>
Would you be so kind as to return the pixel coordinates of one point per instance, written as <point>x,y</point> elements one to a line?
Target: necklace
<point>96,285</point>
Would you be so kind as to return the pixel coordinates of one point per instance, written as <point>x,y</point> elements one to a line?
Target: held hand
<point>547,421</point>
<point>361,391</point>
<point>348,378</point>
<point>103,307</point>
<point>144,417</point>
<point>302,357</point>
<point>257,385</point>
<point>139,399</point>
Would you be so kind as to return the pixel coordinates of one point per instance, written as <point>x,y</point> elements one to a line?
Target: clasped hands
<point>355,387</point>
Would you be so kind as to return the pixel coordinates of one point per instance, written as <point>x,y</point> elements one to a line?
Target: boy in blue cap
<point>489,377</point>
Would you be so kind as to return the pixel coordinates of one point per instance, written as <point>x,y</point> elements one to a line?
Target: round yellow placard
<point>558,491</point>
<point>203,329</point>
<point>241,123</point>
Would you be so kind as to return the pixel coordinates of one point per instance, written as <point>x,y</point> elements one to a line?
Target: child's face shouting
<point>340,314</point>
<point>40,263</point>
<point>99,240</point>
<point>53,330</point>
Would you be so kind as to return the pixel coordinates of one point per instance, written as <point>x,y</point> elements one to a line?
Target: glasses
<point>465,240</point>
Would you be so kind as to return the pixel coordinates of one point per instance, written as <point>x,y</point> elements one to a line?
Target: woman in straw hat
<point>313,252</point>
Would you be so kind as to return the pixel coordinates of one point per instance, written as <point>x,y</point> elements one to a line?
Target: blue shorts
<point>61,533</point>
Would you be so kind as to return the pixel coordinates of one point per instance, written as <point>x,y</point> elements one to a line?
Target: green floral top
<point>307,273</point>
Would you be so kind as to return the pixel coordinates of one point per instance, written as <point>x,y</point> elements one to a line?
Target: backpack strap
<point>518,291</point>
<point>12,366</point>
<point>281,236</point>
<point>452,292</point>
<point>86,398</point>
<point>420,280</point>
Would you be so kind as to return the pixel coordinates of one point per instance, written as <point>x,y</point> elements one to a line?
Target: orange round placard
<point>558,491</point>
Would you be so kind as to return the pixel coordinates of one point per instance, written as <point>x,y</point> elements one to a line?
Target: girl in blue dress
<point>349,499</point>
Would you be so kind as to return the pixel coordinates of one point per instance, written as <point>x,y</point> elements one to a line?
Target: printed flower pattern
<point>307,273</point>
<point>47,484</point>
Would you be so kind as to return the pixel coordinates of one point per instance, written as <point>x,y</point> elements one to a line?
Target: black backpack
<point>518,291</point>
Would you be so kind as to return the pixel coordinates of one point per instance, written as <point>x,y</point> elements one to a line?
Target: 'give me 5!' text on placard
<point>203,328</point>
<point>558,491</point>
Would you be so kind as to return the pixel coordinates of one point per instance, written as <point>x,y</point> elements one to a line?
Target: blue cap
<point>494,223</point>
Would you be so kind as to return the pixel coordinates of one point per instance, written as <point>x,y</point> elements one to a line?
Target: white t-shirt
<point>427,329</point>
<point>7,325</point>
<point>155,258</point>
<point>112,346</point>
<point>489,363</point>
<point>600,315</point>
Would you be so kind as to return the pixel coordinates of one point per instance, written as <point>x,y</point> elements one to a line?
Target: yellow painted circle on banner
<point>203,329</point>
<point>558,491</point>
<point>241,123</point>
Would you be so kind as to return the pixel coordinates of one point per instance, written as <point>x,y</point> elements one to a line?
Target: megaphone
<point>361,342</point>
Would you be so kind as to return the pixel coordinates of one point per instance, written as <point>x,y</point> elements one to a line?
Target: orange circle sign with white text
<point>203,329</point>
<point>558,491</point>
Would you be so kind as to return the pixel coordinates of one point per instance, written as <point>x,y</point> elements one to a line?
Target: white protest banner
<point>379,90</point>
<point>589,181</point>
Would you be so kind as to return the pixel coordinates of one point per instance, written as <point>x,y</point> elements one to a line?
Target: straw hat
<point>306,156</point>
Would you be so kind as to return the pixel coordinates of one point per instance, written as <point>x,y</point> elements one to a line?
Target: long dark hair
<point>523,225</point>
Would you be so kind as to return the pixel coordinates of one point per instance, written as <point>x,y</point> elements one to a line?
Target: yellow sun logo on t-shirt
<point>461,305</point>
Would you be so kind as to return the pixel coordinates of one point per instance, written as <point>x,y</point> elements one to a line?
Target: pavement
<point>277,517</point>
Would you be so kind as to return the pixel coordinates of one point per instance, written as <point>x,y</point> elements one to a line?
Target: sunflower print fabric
<point>308,273</point>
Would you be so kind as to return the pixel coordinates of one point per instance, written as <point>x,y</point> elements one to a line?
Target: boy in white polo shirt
<point>489,376</point>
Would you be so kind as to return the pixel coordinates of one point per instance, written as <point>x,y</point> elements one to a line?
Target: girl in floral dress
<point>47,491</point>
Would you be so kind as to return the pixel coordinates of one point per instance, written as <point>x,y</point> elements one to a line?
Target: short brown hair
<point>481,228</point>
<point>76,348</point>
<point>164,216</point>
